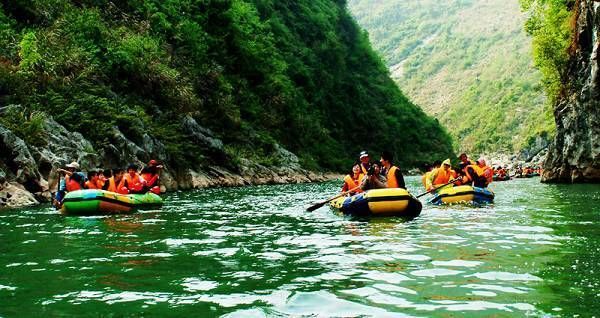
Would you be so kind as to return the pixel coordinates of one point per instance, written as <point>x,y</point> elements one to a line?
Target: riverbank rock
<point>28,173</point>
<point>13,195</point>
<point>574,155</point>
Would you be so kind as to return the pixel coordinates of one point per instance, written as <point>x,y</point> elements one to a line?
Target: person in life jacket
<point>436,164</point>
<point>394,177</point>
<point>132,182</point>
<point>92,182</point>
<point>365,163</point>
<point>64,176</point>
<point>488,172</point>
<point>475,175</point>
<point>352,180</point>
<point>150,174</point>
<point>464,161</point>
<point>440,176</point>
<point>373,179</point>
<point>73,179</point>
<point>114,181</point>
<point>105,177</point>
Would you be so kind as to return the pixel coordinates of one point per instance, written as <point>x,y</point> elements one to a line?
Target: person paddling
<point>440,176</point>
<point>394,176</point>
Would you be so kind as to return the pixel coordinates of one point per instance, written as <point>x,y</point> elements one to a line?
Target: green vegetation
<point>551,25</point>
<point>299,73</point>
<point>468,63</point>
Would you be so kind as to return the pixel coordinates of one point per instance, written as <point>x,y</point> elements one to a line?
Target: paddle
<point>433,190</point>
<point>320,204</point>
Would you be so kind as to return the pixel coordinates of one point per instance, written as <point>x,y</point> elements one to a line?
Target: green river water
<point>256,252</point>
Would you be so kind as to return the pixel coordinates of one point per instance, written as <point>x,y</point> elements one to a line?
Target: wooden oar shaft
<point>320,204</point>
<point>433,190</point>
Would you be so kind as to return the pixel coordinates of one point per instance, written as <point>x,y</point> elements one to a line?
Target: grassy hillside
<point>468,63</point>
<point>298,73</point>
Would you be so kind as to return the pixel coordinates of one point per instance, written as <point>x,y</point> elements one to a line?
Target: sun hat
<point>73,164</point>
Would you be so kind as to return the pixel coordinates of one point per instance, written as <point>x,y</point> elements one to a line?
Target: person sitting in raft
<point>373,179</point>
<point>101,182</point>
<point>488,172</point>
<point>394,177</point>
<point>436,164</point>
<point>105,177</point>
<point>464,161</point>
<point>440,176</point>
<point>114,181</point>
<point>352,180</point>
<point>74,179</point>
<point>150,174</point>
<point>132,183</point>
<point>92,182</point>
<point>64,178</point>
<point>365,163</point>
<point>474,175</point>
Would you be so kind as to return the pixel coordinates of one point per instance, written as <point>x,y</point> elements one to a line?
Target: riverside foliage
<point>466,62</point>
<point>299,73</point>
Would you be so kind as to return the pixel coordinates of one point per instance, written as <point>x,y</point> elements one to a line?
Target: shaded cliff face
<point>574,155</point>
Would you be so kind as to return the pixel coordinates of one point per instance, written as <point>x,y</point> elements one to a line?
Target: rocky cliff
<point>574,156</point>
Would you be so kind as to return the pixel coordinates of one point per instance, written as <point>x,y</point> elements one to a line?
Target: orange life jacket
<point>112,186</point>
<point>90,185</point>
<point>392,182</point>
<point>442,176</point>
<point>131,181</point>
<point>351,183</point>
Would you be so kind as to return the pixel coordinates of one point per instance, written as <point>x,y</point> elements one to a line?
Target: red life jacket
<point>72,185</point>
<point>151,179</point>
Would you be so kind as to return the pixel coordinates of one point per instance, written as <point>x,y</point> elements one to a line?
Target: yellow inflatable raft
<point>463,194</point>
<point>380,202</point>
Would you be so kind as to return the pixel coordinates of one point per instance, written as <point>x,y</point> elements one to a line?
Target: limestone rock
<point>15,158</point>
<point>574,156</point>
<point>14,195</point>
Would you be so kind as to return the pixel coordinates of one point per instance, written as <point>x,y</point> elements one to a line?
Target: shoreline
<point>13,195</point>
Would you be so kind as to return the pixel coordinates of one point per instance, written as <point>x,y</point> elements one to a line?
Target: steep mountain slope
<point>468,63</point>
<point>245,76</point>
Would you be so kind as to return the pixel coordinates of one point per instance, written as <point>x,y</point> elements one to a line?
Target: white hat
<point>363,154</point>
<point>73,164</point>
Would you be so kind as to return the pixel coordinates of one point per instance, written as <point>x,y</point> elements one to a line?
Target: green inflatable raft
<point>98,202</point>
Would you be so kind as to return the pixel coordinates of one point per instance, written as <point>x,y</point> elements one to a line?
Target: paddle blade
<point>316,206</point>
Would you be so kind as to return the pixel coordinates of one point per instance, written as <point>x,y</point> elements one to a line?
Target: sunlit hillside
<point>469,63</point>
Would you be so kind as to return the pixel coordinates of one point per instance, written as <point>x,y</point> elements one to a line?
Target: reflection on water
<point>255,252</point>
